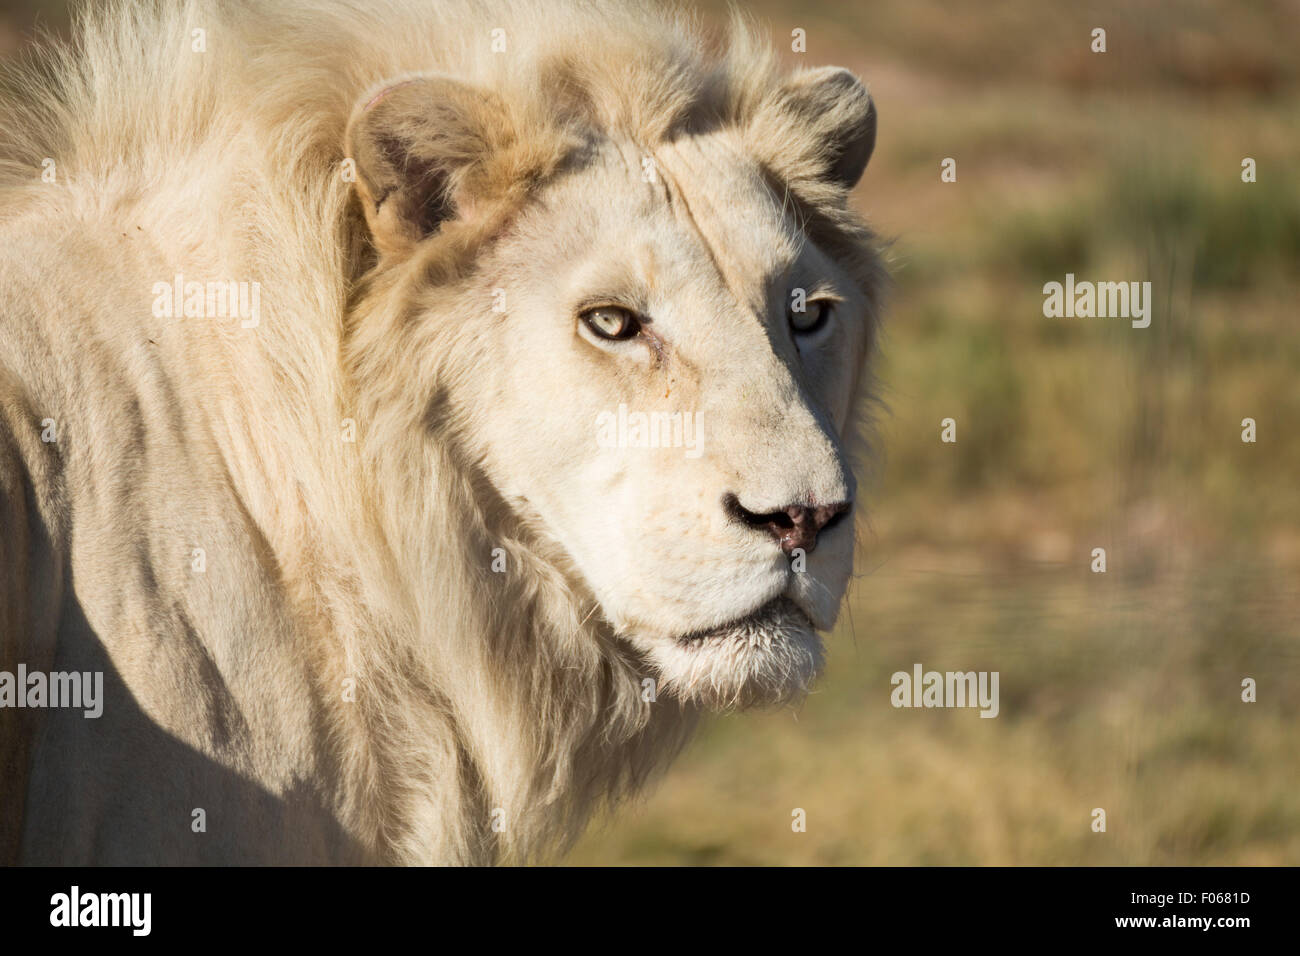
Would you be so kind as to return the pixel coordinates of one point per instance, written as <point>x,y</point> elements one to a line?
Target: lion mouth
<point>777,615</point>
<point>769,656</point>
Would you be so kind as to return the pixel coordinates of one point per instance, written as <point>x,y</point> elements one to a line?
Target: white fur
<point>493,712</point>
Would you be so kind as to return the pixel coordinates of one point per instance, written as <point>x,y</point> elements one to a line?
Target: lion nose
<point>795,526</point>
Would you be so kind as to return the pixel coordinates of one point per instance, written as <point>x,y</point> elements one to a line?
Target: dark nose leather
<point>795,526</point>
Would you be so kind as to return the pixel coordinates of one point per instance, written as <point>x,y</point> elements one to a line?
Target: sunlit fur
<point>327,561</point>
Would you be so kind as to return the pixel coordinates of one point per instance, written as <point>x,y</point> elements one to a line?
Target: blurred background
<point>1119,690</point>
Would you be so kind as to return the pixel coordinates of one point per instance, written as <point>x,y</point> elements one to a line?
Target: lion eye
<point>812,318</point>
<point>611,322</point>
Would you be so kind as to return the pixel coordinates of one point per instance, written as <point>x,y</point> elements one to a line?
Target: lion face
<point>665,385</point>
<point>670,417</point>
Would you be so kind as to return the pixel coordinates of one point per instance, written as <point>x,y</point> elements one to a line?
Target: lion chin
<point>766,658</point>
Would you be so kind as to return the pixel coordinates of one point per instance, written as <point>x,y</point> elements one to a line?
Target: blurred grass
<point>1120,690</point>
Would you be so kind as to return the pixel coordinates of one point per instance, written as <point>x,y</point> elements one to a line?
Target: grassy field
<point>1119,690</point>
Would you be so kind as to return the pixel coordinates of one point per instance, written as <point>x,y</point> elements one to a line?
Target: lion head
<point>663,311</point>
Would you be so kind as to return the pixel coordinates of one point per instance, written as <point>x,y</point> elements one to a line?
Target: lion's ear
<point>828,118</point>
<point>413,143</point>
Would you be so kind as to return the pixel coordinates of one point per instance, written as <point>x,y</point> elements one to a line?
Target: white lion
<point>417,412</point>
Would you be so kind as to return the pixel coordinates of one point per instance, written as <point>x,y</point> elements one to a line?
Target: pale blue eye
<point>812,318</point>
<point>610,322</point>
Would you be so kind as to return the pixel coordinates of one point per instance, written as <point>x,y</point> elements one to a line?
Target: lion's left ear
<point>825,122</point>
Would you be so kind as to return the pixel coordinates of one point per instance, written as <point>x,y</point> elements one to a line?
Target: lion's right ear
<point>414,144</point>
